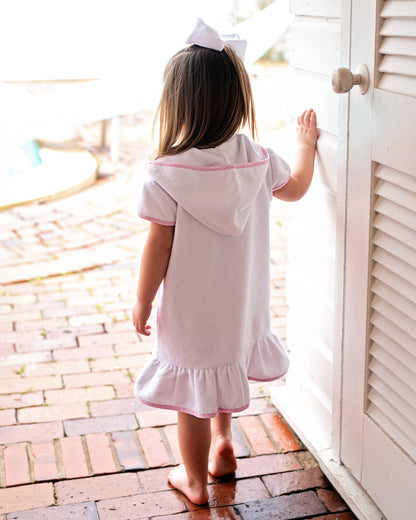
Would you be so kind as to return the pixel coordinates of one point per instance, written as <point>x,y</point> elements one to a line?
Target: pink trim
<point>213,168</point>
<point>192,412</point>
<point>281,184</point>
<point>266,380</point>
<point>157,221</point>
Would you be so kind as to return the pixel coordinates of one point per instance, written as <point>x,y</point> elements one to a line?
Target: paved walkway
<point>75,444</point>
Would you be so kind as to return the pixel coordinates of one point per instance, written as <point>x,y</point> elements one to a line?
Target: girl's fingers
<point>307,123</point>
<point>144,331</point>
<point>303,116</point>
<point>308,117</point>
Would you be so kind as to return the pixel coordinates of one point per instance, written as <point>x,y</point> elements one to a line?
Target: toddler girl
<point>207,197</point>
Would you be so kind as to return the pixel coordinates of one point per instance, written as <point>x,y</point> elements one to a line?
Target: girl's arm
<point>302,171</point>
<point>153,267</point>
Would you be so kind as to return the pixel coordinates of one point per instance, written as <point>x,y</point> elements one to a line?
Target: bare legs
<point>223,460</point>
<point>194,442</point>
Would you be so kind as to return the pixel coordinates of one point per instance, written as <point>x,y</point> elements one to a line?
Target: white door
<point>378,426</point>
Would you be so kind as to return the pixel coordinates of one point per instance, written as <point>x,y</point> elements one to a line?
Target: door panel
<point>379,418</point>
<point>393,139</point>
<point>391,479</point>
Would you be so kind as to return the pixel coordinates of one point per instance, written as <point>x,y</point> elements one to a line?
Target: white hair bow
<point>205,36</point>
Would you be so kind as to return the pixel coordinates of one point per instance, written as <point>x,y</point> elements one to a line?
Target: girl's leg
<point>191,479</point>
<point>223,460</point>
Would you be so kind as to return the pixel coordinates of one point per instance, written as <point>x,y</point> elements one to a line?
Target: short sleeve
<point>279,171</point>
<point>156,205</point>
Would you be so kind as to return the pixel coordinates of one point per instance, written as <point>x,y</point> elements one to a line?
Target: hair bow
<point>205,36</point>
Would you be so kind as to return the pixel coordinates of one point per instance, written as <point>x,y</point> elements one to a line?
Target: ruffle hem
<point>206,392</point>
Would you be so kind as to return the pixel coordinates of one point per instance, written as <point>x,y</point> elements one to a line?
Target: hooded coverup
<point>213,313</point>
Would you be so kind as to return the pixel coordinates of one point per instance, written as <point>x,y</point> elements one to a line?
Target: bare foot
<point>223,461</point>
<point>179,480</point>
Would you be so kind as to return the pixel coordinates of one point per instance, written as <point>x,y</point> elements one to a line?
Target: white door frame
<point>367,450</point>
<point>358,224</point>
<point>342,168</point>
<point>330,459</point>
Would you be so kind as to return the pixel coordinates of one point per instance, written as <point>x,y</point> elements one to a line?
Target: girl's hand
<point>306,129</point>
<point>140,316</point>
<point>302,170</point>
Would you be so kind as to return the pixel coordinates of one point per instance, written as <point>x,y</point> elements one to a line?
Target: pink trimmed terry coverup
<point>213,307</point>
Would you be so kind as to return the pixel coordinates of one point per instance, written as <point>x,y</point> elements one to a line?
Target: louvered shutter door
<point>398,47</point>
<point>391,389</point>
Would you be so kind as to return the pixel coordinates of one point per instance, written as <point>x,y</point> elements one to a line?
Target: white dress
<point>213,313</point>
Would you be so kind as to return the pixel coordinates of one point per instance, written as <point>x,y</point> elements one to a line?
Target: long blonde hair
<point>206,99</point>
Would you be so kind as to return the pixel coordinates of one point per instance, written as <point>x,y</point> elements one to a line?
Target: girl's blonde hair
<point>206,99</point>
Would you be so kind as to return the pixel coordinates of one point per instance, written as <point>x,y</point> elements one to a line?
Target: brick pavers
<point>297,505</point>
<point>75,443</point>
<point>138,448</point>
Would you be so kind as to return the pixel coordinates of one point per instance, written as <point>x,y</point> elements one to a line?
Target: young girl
<point>207,198</point>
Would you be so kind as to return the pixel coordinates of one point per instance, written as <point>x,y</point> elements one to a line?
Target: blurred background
<point>80,79</point>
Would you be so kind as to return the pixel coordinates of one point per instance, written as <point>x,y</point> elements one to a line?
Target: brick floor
<point>83,511</point>
<point>31,432</point>
<point>45,463</point>
<point>298,505</point>
<point>97,488</point>
<point>256,435</point>
<point>75,443</point>
<point>74,457</point>
<point>16,464</point>
<point>154,447</point>
<point>23,498</point>
<point>234,492</point>
<point>100,453</point>
<point>289,482</point>
<point>219,513</point>
<point>281,433</point>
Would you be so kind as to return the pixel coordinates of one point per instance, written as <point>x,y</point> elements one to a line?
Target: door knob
<point>343,80</point>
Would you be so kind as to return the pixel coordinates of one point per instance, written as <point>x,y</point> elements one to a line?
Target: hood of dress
<point>217,186</point>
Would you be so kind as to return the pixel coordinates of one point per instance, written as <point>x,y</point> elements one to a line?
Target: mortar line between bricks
<point>167,446</point>
<point>2,468</point>
<point>31,461</point>
<point>244,437</point>
<point>140,449</point>
<point>89,361</point>
<point>236,512</point>
<point>59,459</point>
<point>269,435</point>
<point>55,495</point>
<point>264,484</point>
<point>117,464</point>
<point>299,492</point>
<point>86,454</point>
